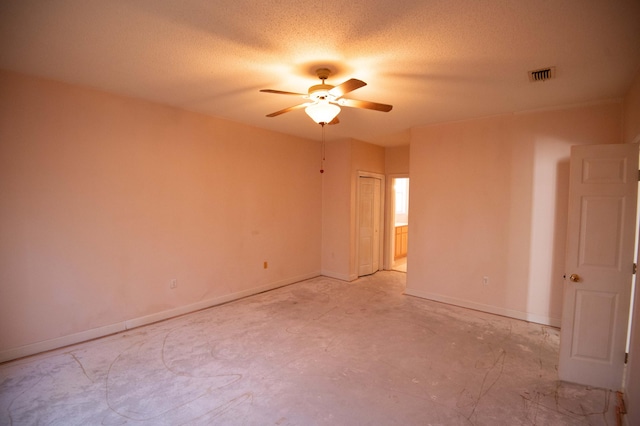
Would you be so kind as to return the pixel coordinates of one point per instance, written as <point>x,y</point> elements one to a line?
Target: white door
<point>599,263</point>
<point>368,225</point>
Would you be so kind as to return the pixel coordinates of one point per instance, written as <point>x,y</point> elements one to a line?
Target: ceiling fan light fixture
<point>322,112</point>
<point>324,100</point>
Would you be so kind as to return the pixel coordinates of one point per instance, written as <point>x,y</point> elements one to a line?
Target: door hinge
<point>635,268</point>
<point>638,175</point>
<point>626,357</point>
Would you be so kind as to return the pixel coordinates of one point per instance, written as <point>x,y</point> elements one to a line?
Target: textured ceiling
<point>434,61</point>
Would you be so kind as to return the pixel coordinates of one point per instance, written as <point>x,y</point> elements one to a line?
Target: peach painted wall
<point>344,158</point>
<point>397,160</point>
<point>489,198</point>
<point>105,199</point>
<point>336,199</point>
<point>632,112</point>
<point>367,157</point>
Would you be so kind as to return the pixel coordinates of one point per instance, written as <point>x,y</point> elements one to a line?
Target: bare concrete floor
<point>320,352</point>
<point>400,264</point>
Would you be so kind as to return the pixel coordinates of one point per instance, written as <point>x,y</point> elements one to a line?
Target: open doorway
<point>400,232</point>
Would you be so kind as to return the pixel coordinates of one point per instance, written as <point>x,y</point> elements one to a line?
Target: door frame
<point>389,237</point>
<point>359,174</point>
<point>631,383</point>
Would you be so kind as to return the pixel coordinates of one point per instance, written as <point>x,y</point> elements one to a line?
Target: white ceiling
<point>434,61</point>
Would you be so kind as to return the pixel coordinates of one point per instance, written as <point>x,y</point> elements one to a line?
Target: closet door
<point>369,203</point>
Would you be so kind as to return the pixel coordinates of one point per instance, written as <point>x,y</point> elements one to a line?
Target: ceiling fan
<point>325,100</point>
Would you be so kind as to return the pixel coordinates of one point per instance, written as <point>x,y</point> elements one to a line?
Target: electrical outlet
<point>173,283</point>
<point>485,280</point>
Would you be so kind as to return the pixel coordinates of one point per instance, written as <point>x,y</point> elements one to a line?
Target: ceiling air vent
<point>542,74</point>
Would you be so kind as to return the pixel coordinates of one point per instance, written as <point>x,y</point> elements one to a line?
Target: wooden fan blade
<point>346,87</point>
<point>282,111</point>
<point>365,104</point>
<point>280,92</point>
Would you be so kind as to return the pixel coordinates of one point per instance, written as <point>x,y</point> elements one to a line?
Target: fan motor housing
<point>320,91</point>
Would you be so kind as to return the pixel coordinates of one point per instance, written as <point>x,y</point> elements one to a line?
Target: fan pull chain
<point>322,158</point>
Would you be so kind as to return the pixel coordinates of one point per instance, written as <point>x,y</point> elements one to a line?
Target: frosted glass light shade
<point>322,112</point>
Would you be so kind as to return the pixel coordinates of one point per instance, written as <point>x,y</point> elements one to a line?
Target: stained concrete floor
<point>319,352</point>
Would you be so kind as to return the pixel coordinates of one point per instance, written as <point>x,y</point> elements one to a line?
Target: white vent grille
<point>542,74</point>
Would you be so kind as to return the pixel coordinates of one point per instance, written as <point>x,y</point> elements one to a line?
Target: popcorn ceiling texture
<point>435,61</point>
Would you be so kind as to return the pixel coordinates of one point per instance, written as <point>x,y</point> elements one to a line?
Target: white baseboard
<point>94,333</point>
<point>59,342</point>
<point>525,316</point>
<point>338,276</point>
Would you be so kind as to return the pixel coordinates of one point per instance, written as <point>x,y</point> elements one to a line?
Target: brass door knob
<point>574,278</point>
